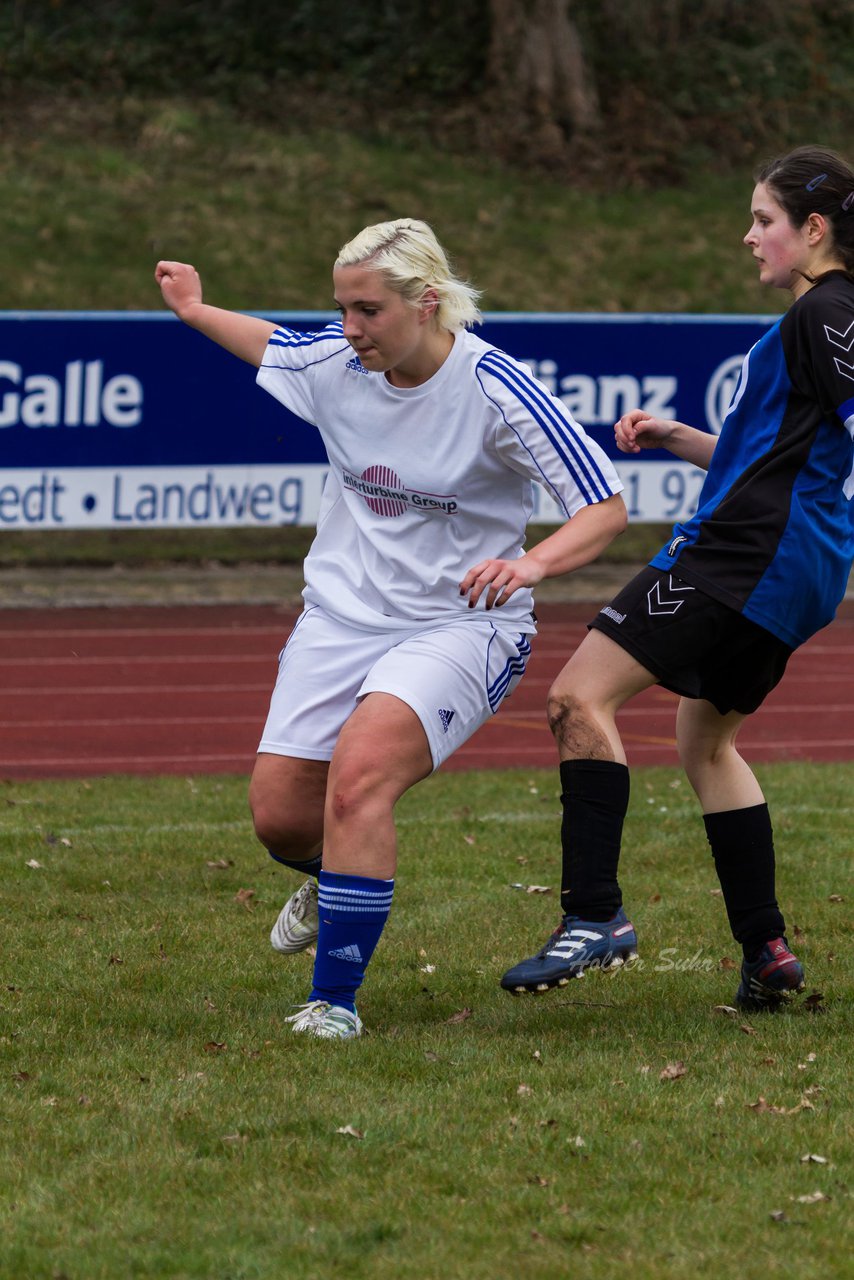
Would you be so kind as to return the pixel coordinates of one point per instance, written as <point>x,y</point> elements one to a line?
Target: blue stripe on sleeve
<point>290,337</point>
<point>541,405</point>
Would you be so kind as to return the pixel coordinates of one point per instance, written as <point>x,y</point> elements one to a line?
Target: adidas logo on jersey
<point>446,717</point>
<point>356,365</point>
<point>351,953</point>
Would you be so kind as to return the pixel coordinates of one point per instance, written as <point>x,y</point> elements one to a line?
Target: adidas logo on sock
<point>351,953</point>
<point>446,717</point>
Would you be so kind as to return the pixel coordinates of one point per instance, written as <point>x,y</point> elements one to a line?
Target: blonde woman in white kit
<point>417,619</point>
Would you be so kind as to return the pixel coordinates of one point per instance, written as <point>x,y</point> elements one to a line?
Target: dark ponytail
<point>815,179</point>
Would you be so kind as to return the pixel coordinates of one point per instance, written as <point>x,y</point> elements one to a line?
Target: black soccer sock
<point>309,868</point>
<point>595,799</point>
<point>742,843</point>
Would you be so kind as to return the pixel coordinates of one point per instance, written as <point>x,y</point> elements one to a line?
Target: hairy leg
<point>586,696</point>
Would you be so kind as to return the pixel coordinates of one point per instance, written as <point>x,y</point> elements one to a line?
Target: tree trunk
<point>542,101</point>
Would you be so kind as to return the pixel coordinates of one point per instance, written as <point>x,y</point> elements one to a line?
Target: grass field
<point>93,192</point>
<point>158,1119</point>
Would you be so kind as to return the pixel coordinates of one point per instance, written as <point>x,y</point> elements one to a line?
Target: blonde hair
<point>412,261</point>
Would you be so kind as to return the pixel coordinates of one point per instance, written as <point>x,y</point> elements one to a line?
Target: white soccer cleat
<point>297,925</point>
<point>327,1021</point>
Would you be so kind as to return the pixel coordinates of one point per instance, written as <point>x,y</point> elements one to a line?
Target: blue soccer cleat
<point>576,945</point>
<point>771,979</point>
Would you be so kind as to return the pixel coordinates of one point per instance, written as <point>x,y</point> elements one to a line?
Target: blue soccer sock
<point>353,911</point>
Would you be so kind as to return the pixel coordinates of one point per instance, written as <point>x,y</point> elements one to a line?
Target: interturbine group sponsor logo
<point>383,491</point>
<point>387,495</point>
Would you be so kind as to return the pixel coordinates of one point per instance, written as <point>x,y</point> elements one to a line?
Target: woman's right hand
<point>639,430</point>
<point>180,285</point>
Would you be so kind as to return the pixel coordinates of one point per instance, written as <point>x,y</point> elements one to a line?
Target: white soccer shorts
<point>454,677</point>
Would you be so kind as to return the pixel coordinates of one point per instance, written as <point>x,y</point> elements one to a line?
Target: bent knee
<point>286,834</point>
<point>577,728</point>
<point>705,753</point>
<point>360,784</point>
<point>565,710</point>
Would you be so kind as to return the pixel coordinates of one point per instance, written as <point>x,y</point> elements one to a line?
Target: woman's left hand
<point>499,579</point>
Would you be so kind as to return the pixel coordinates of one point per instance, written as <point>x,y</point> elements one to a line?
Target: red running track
<point>184,690</point>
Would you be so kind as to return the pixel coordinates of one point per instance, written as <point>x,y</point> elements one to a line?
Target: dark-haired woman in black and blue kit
<point>715,616</point>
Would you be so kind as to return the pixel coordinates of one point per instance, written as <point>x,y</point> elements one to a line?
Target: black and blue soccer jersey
<point>773,535</point>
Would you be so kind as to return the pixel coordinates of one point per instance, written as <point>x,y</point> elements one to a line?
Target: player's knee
<point>566,712</point>
<point>356,786</point>
<point>697,755</point>
<point>576,727</point>
<point>283,835</point>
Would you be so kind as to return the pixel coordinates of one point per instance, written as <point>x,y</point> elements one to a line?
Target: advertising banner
<point>132,420</point>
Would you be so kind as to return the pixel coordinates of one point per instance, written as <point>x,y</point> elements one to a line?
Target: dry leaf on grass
<point>813,1197</point>
<point>220,864</point>
<point>524,1090</point>
<point>34,865</point>
<point>673,1071</point>
<point>349,1132</point>
<point>532,888</point>
<point>244,897</point>
<point>215,1046</point>
<point>812,1158</point>
<point>761,1107</point>
<point>460,1016</point>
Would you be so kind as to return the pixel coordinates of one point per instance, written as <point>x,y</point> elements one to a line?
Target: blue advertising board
<point>118,419</point>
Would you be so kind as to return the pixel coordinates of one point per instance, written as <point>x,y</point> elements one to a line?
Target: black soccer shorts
<point>694,645</point>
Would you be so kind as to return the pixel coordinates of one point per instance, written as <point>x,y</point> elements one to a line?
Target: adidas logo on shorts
<point>446,717</point>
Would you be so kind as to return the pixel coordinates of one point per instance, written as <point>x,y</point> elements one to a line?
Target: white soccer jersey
<point>424,482</point>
